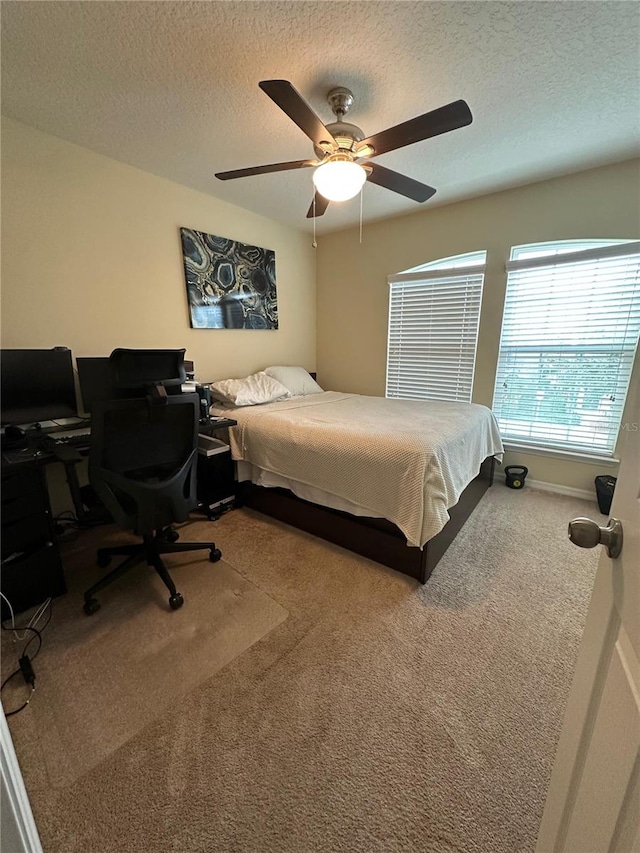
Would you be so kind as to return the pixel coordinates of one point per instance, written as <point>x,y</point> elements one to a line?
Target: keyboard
<point>71,437</point>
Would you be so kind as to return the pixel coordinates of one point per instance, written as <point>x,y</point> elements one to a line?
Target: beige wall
<point>353,289</point>
<point>92,260</point>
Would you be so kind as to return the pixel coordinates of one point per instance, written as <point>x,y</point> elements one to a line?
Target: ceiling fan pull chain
<point>314,244</point>
<point>361,194</point>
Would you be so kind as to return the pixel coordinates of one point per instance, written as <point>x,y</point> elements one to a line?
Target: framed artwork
<point>229,285</point>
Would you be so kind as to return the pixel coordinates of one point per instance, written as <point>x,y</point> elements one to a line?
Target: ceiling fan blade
<point>294,105</point>
<point>318,206</point>
<point>263,170</point>
<point>450,117</point>
<point>399,183</point>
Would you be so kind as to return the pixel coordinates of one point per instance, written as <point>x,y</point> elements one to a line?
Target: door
<point>593,802</point>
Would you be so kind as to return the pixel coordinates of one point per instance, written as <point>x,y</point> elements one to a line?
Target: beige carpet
<point>103,678</point>
<point>380,716</point>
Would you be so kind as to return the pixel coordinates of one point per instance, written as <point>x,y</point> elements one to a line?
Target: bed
<point>393,480</point>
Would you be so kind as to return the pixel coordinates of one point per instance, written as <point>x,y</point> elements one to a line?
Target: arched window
<point>434,312</point>
<point>569,337</point>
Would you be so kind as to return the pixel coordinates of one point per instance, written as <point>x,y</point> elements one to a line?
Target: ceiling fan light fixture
<point>339,145</point>
<point>339,179</point>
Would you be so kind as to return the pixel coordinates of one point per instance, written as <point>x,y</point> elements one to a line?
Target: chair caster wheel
<point>103,560</point>
<point>215,554</point>
<point>172,536</point>
<point>176,601</point>
<point>91,606</point>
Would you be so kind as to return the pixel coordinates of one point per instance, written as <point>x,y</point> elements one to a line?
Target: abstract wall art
<point>229,285</point>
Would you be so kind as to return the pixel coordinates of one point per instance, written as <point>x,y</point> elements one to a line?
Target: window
<point>569,336</point>
<point>434,311</point>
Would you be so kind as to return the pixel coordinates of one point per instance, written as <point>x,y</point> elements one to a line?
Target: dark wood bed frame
<point>375,538</point>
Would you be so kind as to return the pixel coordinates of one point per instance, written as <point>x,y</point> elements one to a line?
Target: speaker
<point>204,392</point>
<point>515,475</point>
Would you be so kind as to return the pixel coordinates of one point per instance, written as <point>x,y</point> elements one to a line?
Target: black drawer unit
<point>31,569</point>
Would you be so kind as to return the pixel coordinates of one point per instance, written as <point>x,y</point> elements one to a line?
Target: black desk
<point>34,454</point>
<point>31,568</point>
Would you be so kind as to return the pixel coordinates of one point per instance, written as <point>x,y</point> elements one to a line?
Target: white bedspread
<point>405,460</point>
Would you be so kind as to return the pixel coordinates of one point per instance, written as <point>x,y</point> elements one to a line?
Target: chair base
<point>149,551</point>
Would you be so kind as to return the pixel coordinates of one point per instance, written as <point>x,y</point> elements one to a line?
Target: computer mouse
<point>14,433</point>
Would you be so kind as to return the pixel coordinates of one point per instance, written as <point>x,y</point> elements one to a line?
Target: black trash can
<point>605,487</point>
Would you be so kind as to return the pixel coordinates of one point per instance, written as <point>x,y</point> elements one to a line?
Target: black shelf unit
<point>217,486</point>
<point>31,568</point>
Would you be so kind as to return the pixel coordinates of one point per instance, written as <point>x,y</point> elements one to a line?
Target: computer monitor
<point>36,385</point>
<point>97,382</point>
<point>146,369</point>
<point>129,375</point>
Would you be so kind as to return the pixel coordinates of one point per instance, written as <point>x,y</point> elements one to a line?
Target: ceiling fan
<point>341,147</point>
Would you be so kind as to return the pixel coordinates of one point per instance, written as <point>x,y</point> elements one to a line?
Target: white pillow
<point>251,391</point>
<point>296,379</point>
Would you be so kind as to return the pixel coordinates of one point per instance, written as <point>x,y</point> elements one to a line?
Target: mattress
<point>404,460</point>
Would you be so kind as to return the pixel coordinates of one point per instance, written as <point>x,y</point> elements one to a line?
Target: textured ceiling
<point>172,88</point>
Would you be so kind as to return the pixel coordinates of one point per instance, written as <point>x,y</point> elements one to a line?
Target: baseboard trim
<point>584,494</point>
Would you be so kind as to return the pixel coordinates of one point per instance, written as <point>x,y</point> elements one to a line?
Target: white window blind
<point>434,311</point>
<point>569,336</point>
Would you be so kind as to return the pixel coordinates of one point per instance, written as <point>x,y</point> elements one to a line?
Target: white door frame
<point>19,833</point>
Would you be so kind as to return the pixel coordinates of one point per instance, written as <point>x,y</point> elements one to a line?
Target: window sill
<point>567,455</point>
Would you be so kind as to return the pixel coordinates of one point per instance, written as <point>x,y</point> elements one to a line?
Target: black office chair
<point>142,466</point>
